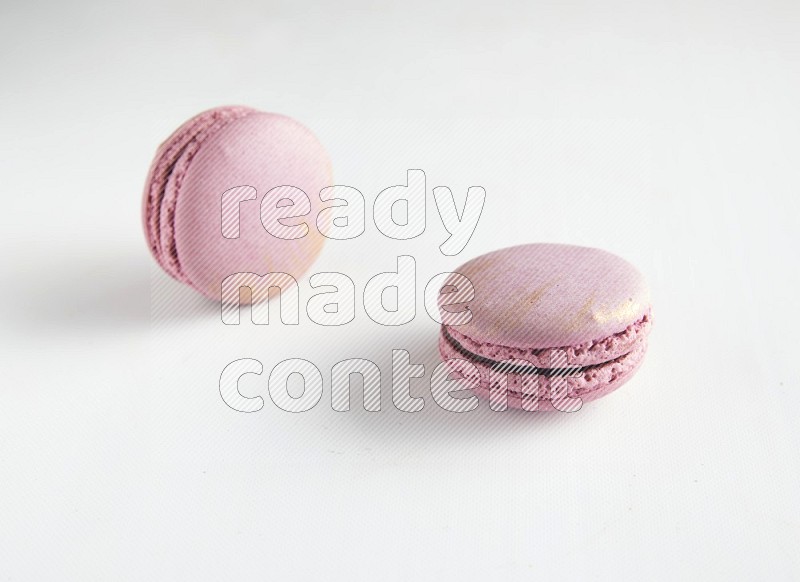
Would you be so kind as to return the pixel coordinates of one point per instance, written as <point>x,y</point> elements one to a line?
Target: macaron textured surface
<point>215,151</point>
<point>578,314</point>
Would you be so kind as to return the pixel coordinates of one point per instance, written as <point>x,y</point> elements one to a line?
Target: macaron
<point>216,151</point>
<point>551,326</point>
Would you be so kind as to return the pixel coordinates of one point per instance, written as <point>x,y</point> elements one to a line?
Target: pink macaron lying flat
<point>552,325</point>
<point>215,151</point>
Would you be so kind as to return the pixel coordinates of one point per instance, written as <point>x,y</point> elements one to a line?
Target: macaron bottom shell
<point>590,383</point>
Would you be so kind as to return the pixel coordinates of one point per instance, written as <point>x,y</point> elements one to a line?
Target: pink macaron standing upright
<point>552,326</point>
<point>215,151</point>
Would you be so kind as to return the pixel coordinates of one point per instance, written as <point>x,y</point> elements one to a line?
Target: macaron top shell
<point>218,150</point>
<point>539,296</point>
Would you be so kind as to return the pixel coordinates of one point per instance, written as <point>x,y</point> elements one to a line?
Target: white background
<point>666,132</point>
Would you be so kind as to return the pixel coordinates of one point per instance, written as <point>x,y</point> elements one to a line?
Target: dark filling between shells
<point>565,372</point>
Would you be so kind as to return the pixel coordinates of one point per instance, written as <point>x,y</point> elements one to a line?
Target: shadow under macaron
<point>432,425</point>
<point>71,291</point>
